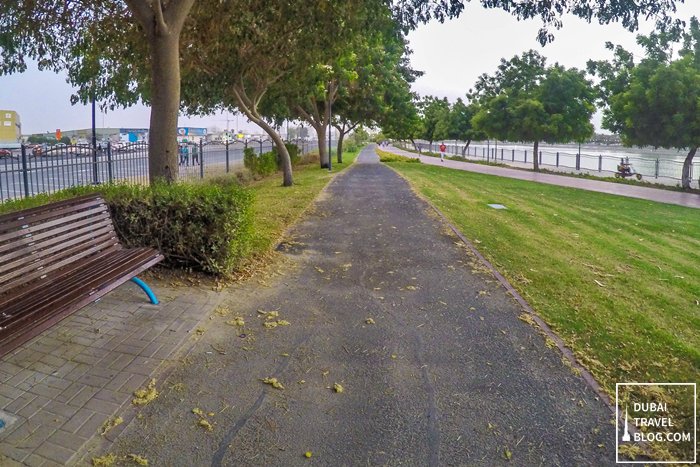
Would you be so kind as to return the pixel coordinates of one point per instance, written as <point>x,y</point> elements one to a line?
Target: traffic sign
<point>58,134</point>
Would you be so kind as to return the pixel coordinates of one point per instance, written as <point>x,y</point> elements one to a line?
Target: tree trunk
<point>249,108</point>
<point>415,146</point>
<point>536,157</point>
<point>464,149</point>
<point>430,146</point>
<point>287,178</point>
<point>685,178</point>
<point>341,135</point>
<point>165,105</point>
<point>322,148</point>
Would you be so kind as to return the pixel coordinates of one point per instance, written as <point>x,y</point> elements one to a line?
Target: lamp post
<point>330,129</point>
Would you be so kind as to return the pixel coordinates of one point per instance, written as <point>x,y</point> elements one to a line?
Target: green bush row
<point>390,157</point>
<point>203,227</point>
<point>268,162</point>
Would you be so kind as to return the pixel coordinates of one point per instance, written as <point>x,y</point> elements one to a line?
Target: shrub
<point>294,155</point>
<point>260,164</point>
<point>390,157</point>
<point>199,226</point>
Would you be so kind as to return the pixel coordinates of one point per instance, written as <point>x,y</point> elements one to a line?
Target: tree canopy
<point>527,101</point>
<point>123,51</point>
<point>655,102</point>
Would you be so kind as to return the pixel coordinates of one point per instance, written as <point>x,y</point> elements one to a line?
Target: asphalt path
<point>690,200</point>
<point>446,375</point>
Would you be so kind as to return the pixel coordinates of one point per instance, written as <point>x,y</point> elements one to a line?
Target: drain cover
<point>6,420</point>
<point>498,206</point>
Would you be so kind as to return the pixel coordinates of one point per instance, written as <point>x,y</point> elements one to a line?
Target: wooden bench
<point>57,258</point>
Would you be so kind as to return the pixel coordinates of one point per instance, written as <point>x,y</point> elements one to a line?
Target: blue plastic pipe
<point>146,289</point>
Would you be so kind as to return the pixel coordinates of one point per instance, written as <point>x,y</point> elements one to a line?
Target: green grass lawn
<point>277,207</point>
<point>616,278</point>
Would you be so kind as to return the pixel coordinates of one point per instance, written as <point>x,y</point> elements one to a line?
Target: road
<point>62,170</point>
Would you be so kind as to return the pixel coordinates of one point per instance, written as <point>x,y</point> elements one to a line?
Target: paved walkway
<point>60,388</point>
<point>444,373</point>
<point>690,200</point>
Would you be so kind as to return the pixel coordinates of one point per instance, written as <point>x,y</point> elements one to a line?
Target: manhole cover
<point>498,206</point>
<point>6,420</point>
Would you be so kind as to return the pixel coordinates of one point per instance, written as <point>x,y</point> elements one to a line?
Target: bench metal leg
<point>146,289</point>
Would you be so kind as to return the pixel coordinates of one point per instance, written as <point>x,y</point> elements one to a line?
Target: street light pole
<point>330,129</point>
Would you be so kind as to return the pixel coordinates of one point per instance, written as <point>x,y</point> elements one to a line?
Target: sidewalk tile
<point>67,440</point>
<point>77,420</point>
<point>55,452</point>
<point>85,394</point>
<point>93,425</point>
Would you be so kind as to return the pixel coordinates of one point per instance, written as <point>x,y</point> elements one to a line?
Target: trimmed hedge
<point>391,157</point>
<point>196,226</point>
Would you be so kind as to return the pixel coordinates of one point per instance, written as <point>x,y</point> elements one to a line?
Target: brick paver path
<point>66,383</point>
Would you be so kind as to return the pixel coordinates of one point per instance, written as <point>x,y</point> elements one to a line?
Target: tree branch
<point>306,116</point>
<point>175,14</point>
<point>160,27</point>
<point>143,13</point>
<point>242,100</point>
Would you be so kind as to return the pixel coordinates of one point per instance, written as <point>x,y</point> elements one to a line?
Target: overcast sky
<point>452,55</point>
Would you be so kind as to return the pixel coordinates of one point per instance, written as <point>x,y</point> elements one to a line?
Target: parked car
<point>5,153</point>
<point>37,149</point>
<point>81,150</point>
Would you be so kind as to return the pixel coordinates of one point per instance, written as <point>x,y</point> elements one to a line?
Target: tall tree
<point>248,46</point>
<point>657,101</point>
<point>383,70</point>
<point>402,122</point>
<point>77,35</point>
<point>527,101</point>
<point>457,124</point>
<point>432,110</point>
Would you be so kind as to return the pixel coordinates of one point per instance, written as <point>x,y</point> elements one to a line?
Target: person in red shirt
<point>442,152</point>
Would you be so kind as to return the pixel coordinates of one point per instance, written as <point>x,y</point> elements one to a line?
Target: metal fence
<point>659,168</point>
<point>31,170</point>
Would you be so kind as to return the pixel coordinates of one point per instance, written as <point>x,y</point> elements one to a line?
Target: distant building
<point>108,134</point>
<point>10,127</point>
<point>187,134</point>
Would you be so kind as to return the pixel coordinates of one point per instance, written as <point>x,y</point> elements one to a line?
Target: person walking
<point>442,151</point>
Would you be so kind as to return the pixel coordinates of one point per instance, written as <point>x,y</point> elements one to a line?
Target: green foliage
<point>202,227</point>
<point>379,137</point>
<point>457,123</point>
<point>260,164</point>
<point>41,139</point>
<point>657,101</point>
<point>433,110</point>
<point>294,155</point>
<point>390,157</point>
<point>527,101</point>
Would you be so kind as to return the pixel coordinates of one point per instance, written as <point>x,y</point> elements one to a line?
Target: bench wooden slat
<point>74,271</point>
<point>33,329</point>
<point>67,260</point>
<point>67,288</point>
<point>102,218</point>
<point>55,259</point>
<point>18,219</point>
<point>35,257</point>
<point>55,221</point>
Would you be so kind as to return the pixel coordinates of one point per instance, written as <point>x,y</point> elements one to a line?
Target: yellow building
<point>10,127</point>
